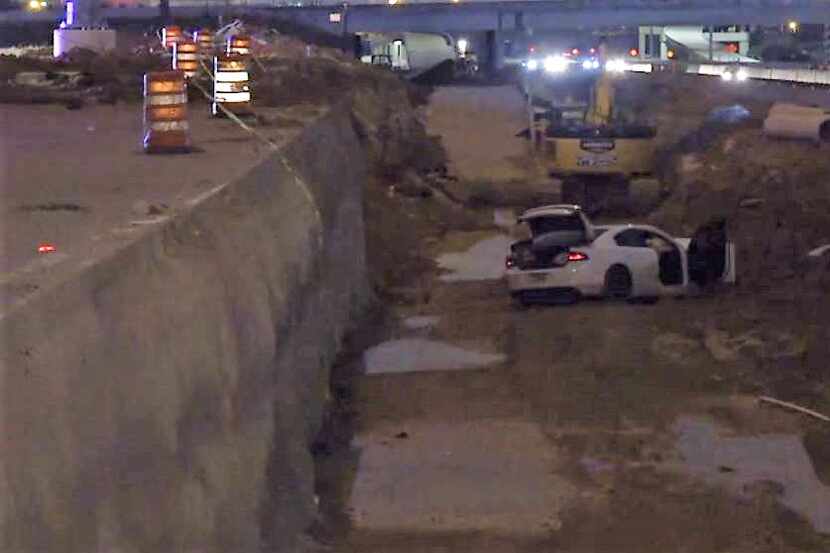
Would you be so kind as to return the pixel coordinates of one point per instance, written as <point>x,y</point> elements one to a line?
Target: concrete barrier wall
<point>164,399</point>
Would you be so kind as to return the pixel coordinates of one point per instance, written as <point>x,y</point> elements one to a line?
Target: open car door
<point>711,255</point>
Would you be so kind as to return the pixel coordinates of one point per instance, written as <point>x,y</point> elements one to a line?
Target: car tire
<point>618,283</point>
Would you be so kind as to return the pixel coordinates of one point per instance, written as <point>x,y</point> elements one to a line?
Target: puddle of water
<point>504,218</point>
<point>419,322</point>
<point>484,261</point>
<point>779,458</point>
<point>415,354</point>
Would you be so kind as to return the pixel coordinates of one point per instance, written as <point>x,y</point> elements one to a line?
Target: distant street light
<point>792,26</point>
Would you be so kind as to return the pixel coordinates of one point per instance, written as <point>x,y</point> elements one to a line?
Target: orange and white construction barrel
<point>166,128</point>
<point>186,58</point>
<point>231,88</point>
<point>239,44</point>
<point>170,35</point>
<point>206,40</point>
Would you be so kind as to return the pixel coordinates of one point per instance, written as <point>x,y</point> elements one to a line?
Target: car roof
<point>549,210</point>
<point>612,230</point>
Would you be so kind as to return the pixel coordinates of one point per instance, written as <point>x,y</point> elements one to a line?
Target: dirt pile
<point>80,76</point>
<point>775,196</point>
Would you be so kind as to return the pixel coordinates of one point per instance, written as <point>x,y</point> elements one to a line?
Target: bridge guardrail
<point>820,77</point>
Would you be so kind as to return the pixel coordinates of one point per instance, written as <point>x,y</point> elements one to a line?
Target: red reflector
<point>46,248</point>
<point>508,262</point>
<point>577,256</point>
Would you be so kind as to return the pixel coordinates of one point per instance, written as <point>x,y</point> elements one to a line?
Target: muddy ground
<point>463,424</point>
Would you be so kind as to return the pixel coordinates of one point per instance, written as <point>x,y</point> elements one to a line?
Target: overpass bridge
<point>477,16</point>
<point>542,15</point>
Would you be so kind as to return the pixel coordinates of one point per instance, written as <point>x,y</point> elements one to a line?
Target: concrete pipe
<point>781,108</point>
<point>813,126</point>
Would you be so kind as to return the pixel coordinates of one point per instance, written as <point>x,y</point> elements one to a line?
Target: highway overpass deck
<point>472,16</point>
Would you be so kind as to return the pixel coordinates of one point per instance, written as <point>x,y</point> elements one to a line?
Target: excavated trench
<point>460,424</point>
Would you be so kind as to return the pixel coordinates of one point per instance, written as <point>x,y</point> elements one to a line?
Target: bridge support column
<point>653,42</point>
<point>495,50</point>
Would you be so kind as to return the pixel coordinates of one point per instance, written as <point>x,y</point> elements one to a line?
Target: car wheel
<point>618,284</point>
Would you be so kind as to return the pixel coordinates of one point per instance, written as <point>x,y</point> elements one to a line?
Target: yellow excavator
<point>604,159</point>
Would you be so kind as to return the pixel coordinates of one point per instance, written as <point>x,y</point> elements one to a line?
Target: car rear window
<point>543,225</point>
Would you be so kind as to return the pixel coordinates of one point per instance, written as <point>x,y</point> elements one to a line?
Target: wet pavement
<point>712,454</point>
<point>483,261</point>
<point>416,354</point>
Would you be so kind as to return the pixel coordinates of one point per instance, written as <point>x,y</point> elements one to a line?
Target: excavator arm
<point>601,108</point>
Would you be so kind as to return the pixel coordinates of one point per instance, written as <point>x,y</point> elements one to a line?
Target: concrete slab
<point>483,261</point>
<point>736,461</point>
<point>416,354</point>
<point>421,322</point>
<point>488,475</point>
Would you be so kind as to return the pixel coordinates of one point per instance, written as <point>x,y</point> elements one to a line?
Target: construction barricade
<point>170,35</point>
<point>166,129</point>
<point>206,41</point>
<point>239,44</point>
<point>231,88</point>
<point>186,58</point>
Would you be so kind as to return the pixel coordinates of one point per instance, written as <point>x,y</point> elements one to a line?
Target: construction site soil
<point>638,427</point>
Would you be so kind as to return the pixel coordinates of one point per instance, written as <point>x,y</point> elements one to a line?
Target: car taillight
<point>577,256</point>
<point>508,262</point>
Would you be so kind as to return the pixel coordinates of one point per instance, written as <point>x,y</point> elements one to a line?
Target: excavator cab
<point>601,147</point>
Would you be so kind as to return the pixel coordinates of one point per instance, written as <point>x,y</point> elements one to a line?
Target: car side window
<point>631,238</point>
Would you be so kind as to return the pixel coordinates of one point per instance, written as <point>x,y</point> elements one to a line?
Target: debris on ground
<point>794,407</point>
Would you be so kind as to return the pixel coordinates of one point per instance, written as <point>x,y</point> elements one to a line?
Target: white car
<point>567,257</point>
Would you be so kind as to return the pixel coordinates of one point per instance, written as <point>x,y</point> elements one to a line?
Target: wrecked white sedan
<point>567,257</point>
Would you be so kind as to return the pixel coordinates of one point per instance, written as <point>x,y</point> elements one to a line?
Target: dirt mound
<point>104,78</point>
<point>775,196</point>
